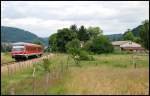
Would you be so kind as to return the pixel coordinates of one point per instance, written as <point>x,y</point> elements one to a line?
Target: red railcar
<point>25,50</point>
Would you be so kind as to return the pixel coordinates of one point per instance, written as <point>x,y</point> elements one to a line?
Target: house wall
<point>117,48</point>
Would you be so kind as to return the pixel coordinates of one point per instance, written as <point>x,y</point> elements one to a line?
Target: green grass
<point>107,74</point>
<point>6,57</point>
<point>22,81</point>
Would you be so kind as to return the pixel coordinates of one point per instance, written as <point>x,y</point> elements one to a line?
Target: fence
<point>136,58</point>
<point>34,83</point>
<point>19,66</point>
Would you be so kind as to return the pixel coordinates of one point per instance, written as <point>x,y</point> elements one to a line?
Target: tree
<point>74,44</point>
<point>74,28</point>
<point>137,40</point>
<point>128,35</point>
<point>53,42</point>
<point>99,44</point>
<point>83,35</point>
<point>73,47</point>
<point>144,34</point>
<point>6,47</point>
<point>94,31</point>
<point>63,37</point>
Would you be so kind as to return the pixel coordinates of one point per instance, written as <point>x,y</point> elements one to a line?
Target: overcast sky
<point>43,18</point>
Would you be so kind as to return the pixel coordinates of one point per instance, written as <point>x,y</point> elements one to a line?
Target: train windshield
<point>18,48</point>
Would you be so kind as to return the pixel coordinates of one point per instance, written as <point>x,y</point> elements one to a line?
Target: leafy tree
<point>74,28</point>
<point>73,47</point>
<point>99,44</point>
<point>94,31</point>
<point>74,44</point>
<point>128,35</point>
<point>137,40</point>
<point>63,37</point>
<point>53,42</point>
<point>83,35</point>
<point>144,34</point>
<point>6,47</point>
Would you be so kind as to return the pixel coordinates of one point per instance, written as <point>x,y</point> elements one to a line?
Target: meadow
<point>6,57</point>
<point>107,74</point>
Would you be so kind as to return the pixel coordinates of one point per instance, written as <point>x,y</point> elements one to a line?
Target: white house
<point>127,46</point>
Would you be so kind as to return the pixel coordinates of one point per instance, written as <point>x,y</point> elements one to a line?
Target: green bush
<point>73,47</point>
<point>74,44</point>
<point>98,45</point>
<point>84,55</point>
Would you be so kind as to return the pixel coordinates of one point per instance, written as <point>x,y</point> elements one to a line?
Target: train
<point>23,50</point>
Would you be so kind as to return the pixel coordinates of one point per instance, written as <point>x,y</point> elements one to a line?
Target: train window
<point>18,49</point>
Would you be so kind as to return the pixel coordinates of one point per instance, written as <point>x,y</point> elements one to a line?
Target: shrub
<point>84,55</point>
<point>73,47</point>
<point>99,44</point>
<point>74,44</point>
<point>46,65</point>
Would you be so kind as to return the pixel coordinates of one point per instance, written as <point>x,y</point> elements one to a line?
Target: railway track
<point>13,62</point>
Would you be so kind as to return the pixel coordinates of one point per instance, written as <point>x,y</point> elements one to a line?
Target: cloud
<point>37,26</point>
<point>44,17</point>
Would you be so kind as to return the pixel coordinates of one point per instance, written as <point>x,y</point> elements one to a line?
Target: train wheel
<point>25,58</point>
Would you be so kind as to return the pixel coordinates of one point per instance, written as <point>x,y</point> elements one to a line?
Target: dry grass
<point>104,80</point>
<point>108,74</point>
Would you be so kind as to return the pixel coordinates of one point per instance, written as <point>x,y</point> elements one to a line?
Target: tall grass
<point>22,81</point>
<point>107,74</point>
<point>6,57</point>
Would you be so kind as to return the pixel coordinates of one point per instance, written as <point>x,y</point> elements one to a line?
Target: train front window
<point>18,49</point>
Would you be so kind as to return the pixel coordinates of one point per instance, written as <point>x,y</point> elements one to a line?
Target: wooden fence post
<point>61,70</point>
<point>8,70</point>
<point>33,80</point>
<point>68,63</point>
<point>133,61</point>
<point>19,66</point>
<point>12,91</point>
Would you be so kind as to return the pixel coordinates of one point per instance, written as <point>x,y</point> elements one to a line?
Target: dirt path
<point>19,66</point>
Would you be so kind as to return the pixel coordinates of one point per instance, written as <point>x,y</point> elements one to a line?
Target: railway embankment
<point>13,67</point>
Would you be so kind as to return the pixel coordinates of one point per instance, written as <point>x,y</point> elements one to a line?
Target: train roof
<point>24,43</point>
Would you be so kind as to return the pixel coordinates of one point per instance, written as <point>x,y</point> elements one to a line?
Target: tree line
<point>90,39</point>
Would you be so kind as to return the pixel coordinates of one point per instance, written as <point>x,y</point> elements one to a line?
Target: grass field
<point>107,74</point>
<point>6,57</point>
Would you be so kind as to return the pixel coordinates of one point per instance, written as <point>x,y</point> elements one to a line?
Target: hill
<point>11,34</point>
<point>136,31</point>
<point>114,37</point>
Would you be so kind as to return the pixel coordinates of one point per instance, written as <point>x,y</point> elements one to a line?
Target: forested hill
<point>11,34</point>
<point>115,37</point>
<point>136,31</point>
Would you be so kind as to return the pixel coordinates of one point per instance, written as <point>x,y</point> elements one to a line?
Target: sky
<point>44,18</point>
